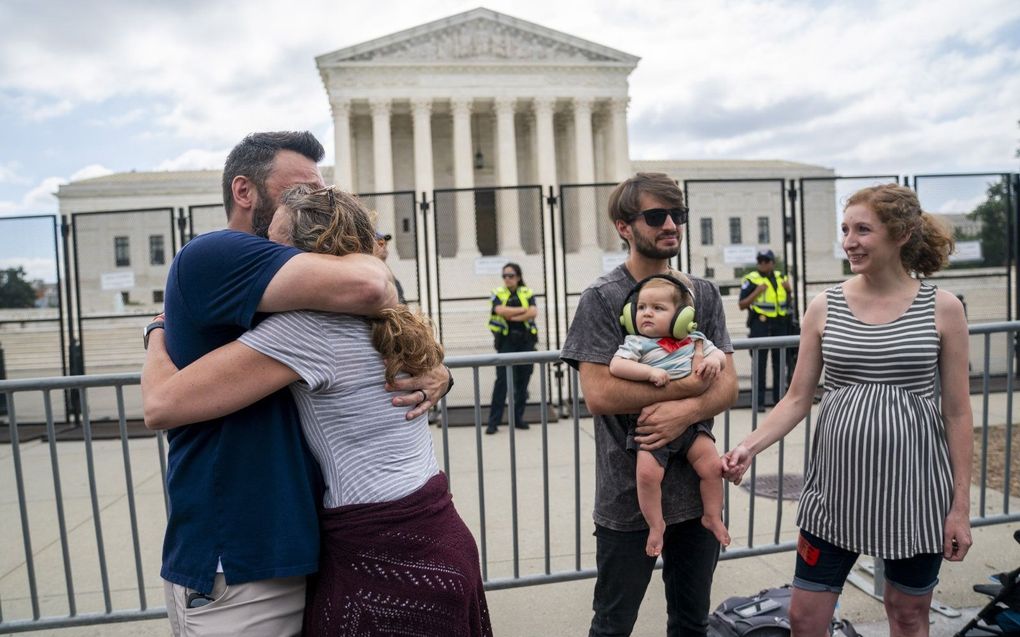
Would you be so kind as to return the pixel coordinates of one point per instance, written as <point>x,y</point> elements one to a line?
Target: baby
<point>656,355</point>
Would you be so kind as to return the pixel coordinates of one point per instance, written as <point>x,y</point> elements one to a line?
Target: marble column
<point>464,177</point>
<point>382,155</point>
<point>506,152</point>
<point>621,150</point>
<point>545,141</point>
<point>424,180</point>
<point>584,151</point>
<point>343,173</point>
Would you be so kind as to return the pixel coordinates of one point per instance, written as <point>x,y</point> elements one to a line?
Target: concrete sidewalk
<point>548,609</point>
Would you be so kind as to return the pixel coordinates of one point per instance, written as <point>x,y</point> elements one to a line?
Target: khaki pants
<point>267,607</point>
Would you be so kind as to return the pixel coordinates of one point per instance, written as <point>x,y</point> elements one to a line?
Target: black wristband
<point>449,382</point>
<point>155,325</point>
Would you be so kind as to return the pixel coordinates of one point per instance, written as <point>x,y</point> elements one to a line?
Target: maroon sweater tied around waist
<point>408,567</point>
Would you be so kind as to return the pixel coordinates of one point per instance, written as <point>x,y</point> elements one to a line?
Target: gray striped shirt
<point>366,448</point>
<point>880,481</point>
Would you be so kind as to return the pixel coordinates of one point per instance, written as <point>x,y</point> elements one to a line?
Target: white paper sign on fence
<point>117,280</point>
<point>967,251</point>
<point>739,254</point>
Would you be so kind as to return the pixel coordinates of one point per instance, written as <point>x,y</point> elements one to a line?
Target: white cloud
<point>9,173</point>
<point>36,268</point>
<point>90,171</point>
<point>195,159</point>
<point>888,86</point>
<point>42,198</point>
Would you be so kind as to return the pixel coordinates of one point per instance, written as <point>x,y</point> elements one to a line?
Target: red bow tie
<point>671,344</point>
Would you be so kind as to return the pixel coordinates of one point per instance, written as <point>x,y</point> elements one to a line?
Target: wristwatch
<point>155,325</point>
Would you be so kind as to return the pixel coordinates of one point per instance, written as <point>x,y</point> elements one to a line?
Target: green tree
<point>15,291</point>
<point>994,232</point>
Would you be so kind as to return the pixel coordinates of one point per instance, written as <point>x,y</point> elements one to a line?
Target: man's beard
<point>262,213</point>
<point>650,250</point>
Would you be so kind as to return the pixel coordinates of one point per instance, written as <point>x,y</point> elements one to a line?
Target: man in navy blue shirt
<point>242,531</point>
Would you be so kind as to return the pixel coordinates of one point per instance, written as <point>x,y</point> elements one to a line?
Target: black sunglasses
<point>655,217</point>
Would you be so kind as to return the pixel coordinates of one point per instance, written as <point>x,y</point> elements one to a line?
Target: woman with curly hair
<point>395,557</point>
<point>891,461</point>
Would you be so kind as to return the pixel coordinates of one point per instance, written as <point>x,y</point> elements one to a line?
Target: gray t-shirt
<point>366,448</point>
<point>594,336</point>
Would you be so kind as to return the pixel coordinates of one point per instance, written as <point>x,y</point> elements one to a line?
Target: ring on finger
<point>424,396</point>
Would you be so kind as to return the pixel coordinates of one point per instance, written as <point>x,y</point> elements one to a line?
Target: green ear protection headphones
<point>682,323</point>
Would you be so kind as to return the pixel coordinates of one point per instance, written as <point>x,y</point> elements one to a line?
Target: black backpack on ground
<point>766,614</point>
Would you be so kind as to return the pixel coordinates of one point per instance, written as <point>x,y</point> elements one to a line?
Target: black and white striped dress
<point>880,481</point>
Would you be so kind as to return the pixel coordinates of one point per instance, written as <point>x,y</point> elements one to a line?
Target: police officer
<point>513,328</point>
<point>765,294</point>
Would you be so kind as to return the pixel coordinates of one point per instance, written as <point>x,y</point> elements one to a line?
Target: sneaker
<point>491,429</point>
<point>522,425</point>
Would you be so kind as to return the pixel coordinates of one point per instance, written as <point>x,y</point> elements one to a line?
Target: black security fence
<point>819,203</point>
<point>588,241</point>
<point>120,260</point>
<point>730,220</point>
<point>977,209</point>
<point>109,266</point>
<point>475,233</point>
<point>32,334</point>
<point>397,216</point>
<point>195,220</point>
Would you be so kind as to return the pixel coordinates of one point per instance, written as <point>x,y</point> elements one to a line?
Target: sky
<point>865,87</point>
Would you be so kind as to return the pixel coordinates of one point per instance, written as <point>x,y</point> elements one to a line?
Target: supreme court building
<point>454,132</point>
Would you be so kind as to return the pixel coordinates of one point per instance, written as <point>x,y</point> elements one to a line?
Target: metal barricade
<point>91,502</point>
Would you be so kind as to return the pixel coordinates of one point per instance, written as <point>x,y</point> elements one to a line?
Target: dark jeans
<point>522,376</point>
<point>759,329</point>
<point>689,556</point>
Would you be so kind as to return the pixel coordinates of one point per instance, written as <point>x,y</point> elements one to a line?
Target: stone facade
<point>477,100</point>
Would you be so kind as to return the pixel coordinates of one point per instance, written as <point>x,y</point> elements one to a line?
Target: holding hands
<point>735,463</point>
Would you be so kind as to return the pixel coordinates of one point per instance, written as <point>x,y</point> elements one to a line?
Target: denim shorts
<point>823,567</point>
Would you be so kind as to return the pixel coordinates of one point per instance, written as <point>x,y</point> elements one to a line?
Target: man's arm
<point>663,422</point>
<point>606,394</point>
<point>351,284</point>
<point>746,300</point>
<point>220,383</point>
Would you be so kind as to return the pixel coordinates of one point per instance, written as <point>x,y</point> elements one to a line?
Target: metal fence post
<point>425,299</point>
<point>551,201</point>
<point>790,227</point>
<point>3,376</point>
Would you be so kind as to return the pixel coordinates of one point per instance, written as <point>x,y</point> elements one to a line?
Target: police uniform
<point>511,336</point>
<point>768,315</point>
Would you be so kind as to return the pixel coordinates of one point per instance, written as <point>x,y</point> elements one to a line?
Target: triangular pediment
<point>480,35</point>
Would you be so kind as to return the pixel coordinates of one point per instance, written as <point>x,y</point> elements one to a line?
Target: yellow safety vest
<point>497,323</point>
<point>773,302</point>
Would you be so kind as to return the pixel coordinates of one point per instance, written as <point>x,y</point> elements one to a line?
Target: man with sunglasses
<point>765,294</point>
<point>242,530</point>
<point>648,212</point>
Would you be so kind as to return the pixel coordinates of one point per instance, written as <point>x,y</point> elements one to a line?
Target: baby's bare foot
<point>718,529</point>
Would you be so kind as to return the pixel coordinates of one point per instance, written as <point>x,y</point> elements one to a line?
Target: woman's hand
<point>420,392</point>
<point>956,539</point>
<point>735,462</point>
